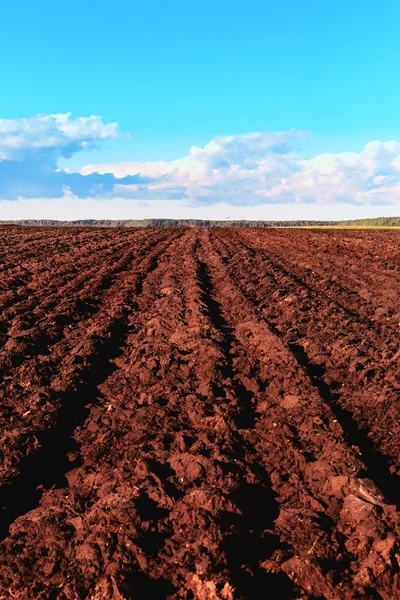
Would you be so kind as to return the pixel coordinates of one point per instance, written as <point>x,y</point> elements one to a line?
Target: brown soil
<point>210,414</point>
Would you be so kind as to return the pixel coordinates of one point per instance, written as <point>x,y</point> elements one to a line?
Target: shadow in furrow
<point>377,465</point>
<point>248,537</point>
<point>139,586</point>
<point>246,417</point>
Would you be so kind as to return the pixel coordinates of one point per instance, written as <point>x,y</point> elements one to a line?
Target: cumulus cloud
<point>30,148</point>
<point>262,167</point>
<point>228,168</point>
<point>237,170</point>
<point>54,135</point>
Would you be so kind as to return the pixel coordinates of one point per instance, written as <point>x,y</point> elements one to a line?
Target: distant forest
<point>379,222</point>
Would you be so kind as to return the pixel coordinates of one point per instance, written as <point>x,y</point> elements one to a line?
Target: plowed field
<point>199,413</point>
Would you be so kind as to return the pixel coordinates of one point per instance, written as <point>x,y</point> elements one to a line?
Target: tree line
<point>378,222</point>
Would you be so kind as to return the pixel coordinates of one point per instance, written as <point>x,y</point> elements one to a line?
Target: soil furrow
<point>42,285</point>
<point>377,465</point>
<point>352,369</point>
<point>342,301</point>
<point>209,427</point>
<point>47,466</point>
<point>329,254</point>
<point>78,367</point>
<point>185,470</point>
<point>247,546</point>
<point>318,460</point>
<point>68,304</point>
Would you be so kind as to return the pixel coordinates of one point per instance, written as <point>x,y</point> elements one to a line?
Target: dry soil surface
<point>199,413</point>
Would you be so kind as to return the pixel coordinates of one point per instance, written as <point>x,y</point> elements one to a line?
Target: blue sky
<point>179,74</point>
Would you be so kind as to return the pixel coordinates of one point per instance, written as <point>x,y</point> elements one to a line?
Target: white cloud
<point>58,133</point>
<point>30,149</point>
<point>123,169</point>
<point>261,167</point>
